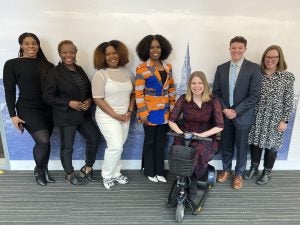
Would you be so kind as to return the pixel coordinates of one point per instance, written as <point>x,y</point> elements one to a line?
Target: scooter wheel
<point>212,178</point>
<point>180,212</point>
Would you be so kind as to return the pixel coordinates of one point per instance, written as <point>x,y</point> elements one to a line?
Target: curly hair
<point>99,54</point>
<point>143,47</point>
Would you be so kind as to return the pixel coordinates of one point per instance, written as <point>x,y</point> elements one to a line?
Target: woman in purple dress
<point>202,115</point>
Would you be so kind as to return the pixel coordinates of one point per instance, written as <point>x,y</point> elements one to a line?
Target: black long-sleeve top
<point>24,73</point>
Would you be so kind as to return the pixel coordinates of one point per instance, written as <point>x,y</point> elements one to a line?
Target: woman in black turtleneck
<point>29,111</point>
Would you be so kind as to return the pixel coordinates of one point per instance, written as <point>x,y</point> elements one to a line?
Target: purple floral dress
<point>196,119</point>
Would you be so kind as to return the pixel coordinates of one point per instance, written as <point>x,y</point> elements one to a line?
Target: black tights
<point>41,149</point>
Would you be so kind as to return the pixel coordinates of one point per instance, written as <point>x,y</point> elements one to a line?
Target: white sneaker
<point>153,179</point>
<point>161,179</point>
<point>108,183</point>
<point>121,179</point>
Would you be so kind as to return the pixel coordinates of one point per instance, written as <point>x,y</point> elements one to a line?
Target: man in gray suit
<point>237,84</point>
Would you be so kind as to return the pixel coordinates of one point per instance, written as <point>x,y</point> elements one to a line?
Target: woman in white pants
<point>112,88</point>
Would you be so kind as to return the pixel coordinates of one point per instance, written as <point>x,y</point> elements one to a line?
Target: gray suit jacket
<point>246,92</point>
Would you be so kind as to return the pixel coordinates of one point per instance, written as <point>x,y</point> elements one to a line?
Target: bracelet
<point>130,111</point>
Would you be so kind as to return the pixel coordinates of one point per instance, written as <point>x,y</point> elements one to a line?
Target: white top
<point>115,86</point>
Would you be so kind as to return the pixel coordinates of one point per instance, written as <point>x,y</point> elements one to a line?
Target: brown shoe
<point>223,176</point>
<point>237,182</point>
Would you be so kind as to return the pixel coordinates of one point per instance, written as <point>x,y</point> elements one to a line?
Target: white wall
<point>207,24</point>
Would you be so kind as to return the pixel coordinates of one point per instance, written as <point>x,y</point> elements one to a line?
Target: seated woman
<point>202,115</point>
<point>68,90</point>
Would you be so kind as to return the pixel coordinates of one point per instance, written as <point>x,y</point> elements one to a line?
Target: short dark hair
<point>99,54</point>
<point>143,47</point>
<point>239,39</point>
<point>66,42</point>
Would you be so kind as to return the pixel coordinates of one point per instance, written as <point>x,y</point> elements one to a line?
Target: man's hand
<point>230,113</point>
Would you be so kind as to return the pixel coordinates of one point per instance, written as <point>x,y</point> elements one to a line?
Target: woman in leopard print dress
<point>272,112</point>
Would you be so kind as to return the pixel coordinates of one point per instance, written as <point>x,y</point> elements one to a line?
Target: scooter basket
<point>181,160</point>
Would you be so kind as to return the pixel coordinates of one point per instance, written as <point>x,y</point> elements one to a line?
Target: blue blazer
<point>246,92</point>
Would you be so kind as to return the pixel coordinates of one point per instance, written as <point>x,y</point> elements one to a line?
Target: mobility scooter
<point>186,190</point>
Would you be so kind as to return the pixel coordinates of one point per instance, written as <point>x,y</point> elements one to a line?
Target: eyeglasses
<point>273,58</point>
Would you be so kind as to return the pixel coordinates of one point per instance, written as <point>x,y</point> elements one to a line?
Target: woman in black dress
<point>29,111</point>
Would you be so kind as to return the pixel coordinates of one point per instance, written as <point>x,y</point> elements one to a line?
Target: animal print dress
<point>275,105</point>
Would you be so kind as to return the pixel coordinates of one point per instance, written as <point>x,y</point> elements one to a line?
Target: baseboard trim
<point>136,164</point>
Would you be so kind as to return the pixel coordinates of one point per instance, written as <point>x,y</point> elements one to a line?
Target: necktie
<point>232,79</point>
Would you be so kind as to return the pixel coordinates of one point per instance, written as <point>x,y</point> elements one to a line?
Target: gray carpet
<point>141,202</point>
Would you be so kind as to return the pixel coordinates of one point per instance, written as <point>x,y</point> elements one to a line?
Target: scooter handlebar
<point>188,136</point>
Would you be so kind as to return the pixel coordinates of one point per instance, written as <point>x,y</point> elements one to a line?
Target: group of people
<point>62,96</point>
<point>249,104</point>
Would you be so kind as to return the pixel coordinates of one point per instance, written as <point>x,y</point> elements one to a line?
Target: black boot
<point>269,160</point>
<point>74,179</point>
<point>252,172</point>
<point>48,177</point>
<point>41,178</point>
<point>90,176</point>
<point>255,153</point>
<point>35,173</point>
<point>265,177</point>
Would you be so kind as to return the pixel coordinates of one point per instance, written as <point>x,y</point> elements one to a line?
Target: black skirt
<point>36,118</point>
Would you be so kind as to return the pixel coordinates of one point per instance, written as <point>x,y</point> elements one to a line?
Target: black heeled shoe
<point>35,173</point>
<point>90,176</point>
<point>74,179</point>
<point>40,178</point>
<point>48,177</point>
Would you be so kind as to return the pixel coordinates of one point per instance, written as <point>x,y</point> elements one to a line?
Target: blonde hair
<point>206,92</point>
